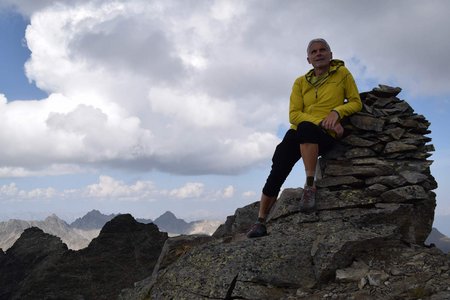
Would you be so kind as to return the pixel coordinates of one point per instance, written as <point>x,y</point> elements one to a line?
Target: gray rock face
<point>174,248</point>
<point>375,208</point>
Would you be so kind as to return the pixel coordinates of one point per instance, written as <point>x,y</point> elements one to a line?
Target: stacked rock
<point>382,159</point>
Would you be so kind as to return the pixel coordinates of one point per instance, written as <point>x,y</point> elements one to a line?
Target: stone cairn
<point>383,159</point>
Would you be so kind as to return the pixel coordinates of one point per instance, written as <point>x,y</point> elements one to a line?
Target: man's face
<point>319,56</point>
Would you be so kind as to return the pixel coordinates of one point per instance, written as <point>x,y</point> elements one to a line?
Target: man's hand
<point>339,130</point>
<point>331,120</point>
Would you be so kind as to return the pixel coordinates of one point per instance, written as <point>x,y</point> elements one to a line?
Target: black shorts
<point>287,153</point>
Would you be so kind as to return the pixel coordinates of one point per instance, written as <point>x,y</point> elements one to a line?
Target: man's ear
<point>308,60</point>
<point>331,55</point>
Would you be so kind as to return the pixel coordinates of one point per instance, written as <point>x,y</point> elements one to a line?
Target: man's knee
<point>307,126</point>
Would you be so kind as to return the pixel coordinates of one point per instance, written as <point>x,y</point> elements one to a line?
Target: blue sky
<point>142,107</point>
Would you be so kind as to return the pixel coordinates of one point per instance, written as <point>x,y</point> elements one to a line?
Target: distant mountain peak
<point>53,217</point>
<point>94,212</point>
<point>170,223</point>
<point>168,212</point>
<point>94,219</point>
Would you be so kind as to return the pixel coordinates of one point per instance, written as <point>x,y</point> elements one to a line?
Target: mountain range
<point>78,234</point>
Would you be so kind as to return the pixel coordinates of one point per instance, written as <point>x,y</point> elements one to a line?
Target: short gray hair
<point>318,40</point>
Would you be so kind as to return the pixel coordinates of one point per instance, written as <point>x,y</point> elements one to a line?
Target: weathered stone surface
<point>413,177</point>
<point>355,272</point>
<point>376,189</point>
<point>356,141</point>
<point>359,171</point>
<point>367,123</point>
<point>405,193</point>
<point>386,91</point>
<point>343,198</point>
<point>391,181</point>
<point>376,277</point>
<point>173,249</point>
<point>397,146</point>
<point>360,152</point>
<point>396,133</point>
<point>240,222</point>
<point>338,181</point>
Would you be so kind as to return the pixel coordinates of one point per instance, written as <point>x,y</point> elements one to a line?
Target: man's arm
<point>354,103</point>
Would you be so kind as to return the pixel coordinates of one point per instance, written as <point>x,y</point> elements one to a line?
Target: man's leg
<point>259,228</point>
<point>265,205</point>
<point>310,154</point>
<point>313,142</point>
<point>285,156</point>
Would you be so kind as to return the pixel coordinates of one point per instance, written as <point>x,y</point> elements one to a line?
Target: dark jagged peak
<point>34,241</point>
<point>92,220</point>
<point>123,232</point>
<point>125,223</point>
<point>34,250</point>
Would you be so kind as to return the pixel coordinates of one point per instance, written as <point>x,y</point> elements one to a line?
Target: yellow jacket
<point>313,103</point>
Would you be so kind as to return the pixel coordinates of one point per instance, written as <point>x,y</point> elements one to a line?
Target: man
<point>319,100</point>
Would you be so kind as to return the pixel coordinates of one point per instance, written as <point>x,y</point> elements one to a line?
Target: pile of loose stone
<point>382,159</point>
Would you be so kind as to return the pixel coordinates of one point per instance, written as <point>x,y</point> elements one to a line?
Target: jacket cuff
<point>339,115</point>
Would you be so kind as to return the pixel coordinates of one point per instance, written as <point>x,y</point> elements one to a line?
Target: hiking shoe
<point>257,230</point>
<point>308,200</point>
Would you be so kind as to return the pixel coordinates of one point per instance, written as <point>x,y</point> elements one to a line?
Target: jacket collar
<point>334,65</point>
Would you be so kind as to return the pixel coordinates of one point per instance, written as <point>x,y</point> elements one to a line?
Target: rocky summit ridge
<point>375,208</point>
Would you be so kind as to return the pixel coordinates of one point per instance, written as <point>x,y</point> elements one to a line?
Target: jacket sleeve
<point>296,107</point>
<point>353,104</point>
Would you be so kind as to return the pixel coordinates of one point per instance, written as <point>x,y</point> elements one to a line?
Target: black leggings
<point>287,153</point>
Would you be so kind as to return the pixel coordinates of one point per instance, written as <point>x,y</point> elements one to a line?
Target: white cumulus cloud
<point>113,189</point>
<point>195,87</point>
<point>189,190</point>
